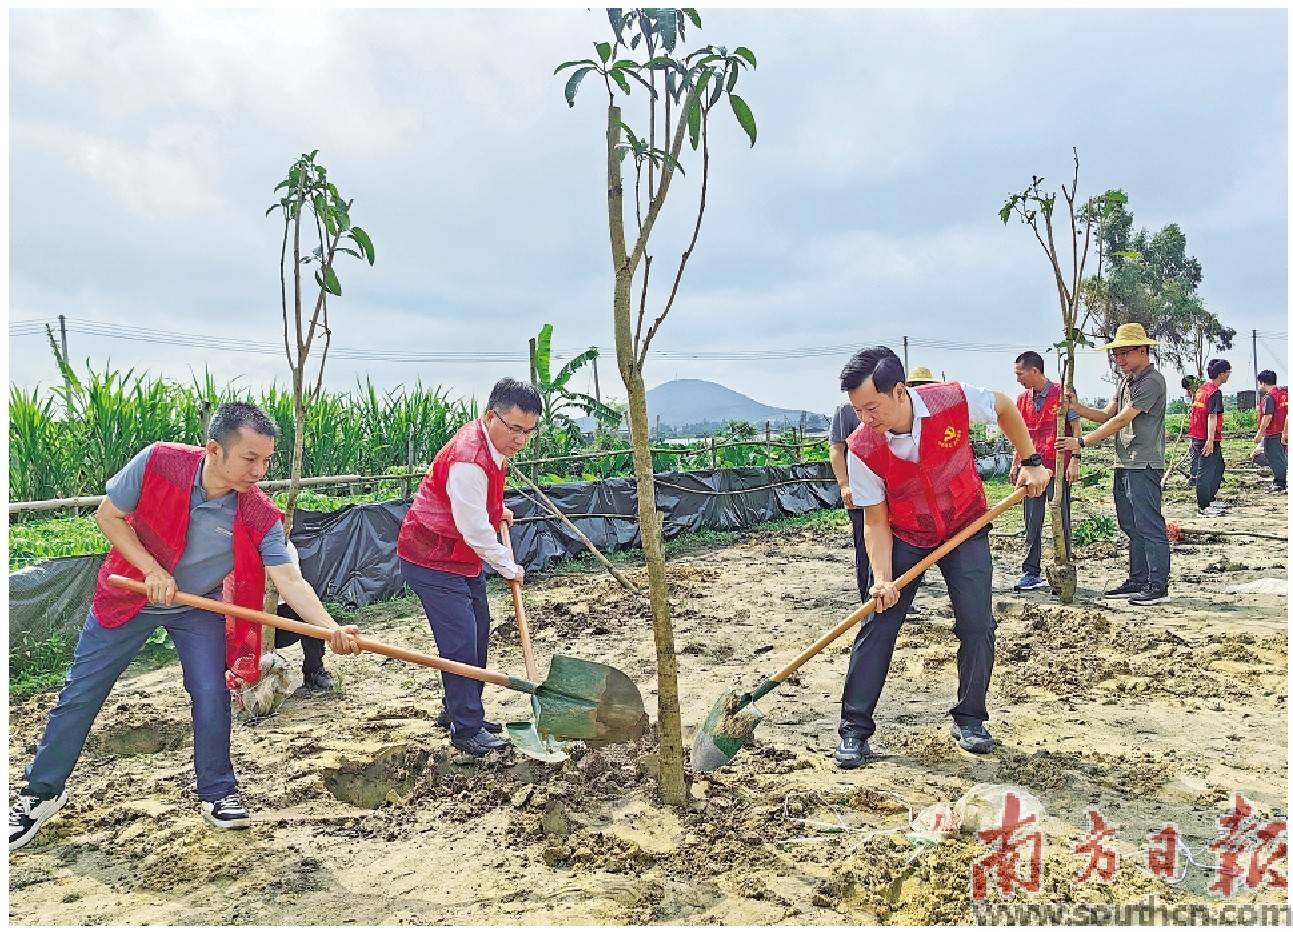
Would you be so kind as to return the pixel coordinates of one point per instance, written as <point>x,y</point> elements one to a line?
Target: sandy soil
<point>364,814</point>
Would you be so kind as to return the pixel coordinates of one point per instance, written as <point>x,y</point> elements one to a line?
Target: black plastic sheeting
<point>349,555</point>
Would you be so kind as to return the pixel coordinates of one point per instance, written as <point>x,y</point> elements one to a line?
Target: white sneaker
<point>227,813</point>
<point>28,814</point>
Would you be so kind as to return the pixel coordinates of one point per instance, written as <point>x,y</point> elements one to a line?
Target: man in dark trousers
<point>1206,420</point>
<point>1272,429</point>
<point>188,519</point>
<point>450,533</point>
<point>911,468</point>
<point>1134,418</point>
<point>843,423</point>
<point>1039,405</point>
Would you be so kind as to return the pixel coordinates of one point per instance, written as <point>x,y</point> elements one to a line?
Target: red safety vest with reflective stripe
<point>933,498</point>
<point>428,536</point>
<point>1042,426</point>
<point>1276,426</point>
<point>1199,411</point>
<point>161,521</point>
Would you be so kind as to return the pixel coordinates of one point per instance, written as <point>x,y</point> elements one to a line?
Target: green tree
<point>1035,208</point>
<point>678,95</point>
<point>307,193</point>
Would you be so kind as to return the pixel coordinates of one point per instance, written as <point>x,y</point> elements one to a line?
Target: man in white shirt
<point>911,469</point>
<point>450,532</point>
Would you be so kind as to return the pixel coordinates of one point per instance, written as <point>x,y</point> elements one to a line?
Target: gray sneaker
<point>973,737</point>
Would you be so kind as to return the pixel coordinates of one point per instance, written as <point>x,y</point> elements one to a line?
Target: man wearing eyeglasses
<point>450,532</point>
<point>1135,421</point>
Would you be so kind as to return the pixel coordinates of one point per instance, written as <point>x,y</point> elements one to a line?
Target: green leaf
<point>1004,213</point>
<point>693,119</point>
<point>320,205</point>
<point>743,52</point>
<point>330,282</point>
<point>692,15</point>
<point>330,223</point>
<point>1131,254</point>
<point>572,86</point>
<point>604,51</point>
<point>744,116</point>
<point>570,368</point>
<point>616,16</point>
<point>343,219</point>
<point>364,241</point>
<point>348,251</point>
<point>641,80</point>
<point>543,356</point>
<point>272,208</point>
<point>618,78</point>
<point>283,184</point>
<point>313,153</point>
<point>622,63</point>
<point>570,64</point>
<point>669,28</point>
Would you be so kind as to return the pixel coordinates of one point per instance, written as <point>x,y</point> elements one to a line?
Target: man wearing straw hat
<point>450,532</point>
<point>1134,418</point>
<point>187,519</point>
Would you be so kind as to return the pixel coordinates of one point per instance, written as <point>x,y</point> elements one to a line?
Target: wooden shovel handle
<point>309,630</point>
<point>522,623</point>
<point>870,605</point>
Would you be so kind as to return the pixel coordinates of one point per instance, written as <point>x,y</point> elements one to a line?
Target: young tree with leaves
<point>679,94</point>
<point>1035,208</point>
<point>309,197</point>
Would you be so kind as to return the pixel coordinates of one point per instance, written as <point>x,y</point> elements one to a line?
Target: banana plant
<point>559,400</point>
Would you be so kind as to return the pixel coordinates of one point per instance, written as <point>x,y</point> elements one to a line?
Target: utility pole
<point>534,372</point>
<point>62,333</point>
<point>597,385</point>
<point>1255,369</point>
<point>905,364</point>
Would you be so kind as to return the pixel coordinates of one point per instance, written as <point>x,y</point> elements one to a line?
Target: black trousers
<point>967,570</point>
<point>1277,455</point>
<point>312,647</point>
<point>858,518</point>
<point>1208,469</point>
<point>1138,502</point>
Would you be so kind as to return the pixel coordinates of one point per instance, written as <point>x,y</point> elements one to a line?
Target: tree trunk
<point>672,783</point>
<point>1062,573</point>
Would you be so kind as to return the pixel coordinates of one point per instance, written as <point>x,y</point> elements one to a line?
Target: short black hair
<point>232,416</point>
<point>511,393</point>
<point>1217,366</point>
<point>1031,359</point>
<point>879,364</point>
<point>1267,377</point>
<point>1189,382</point>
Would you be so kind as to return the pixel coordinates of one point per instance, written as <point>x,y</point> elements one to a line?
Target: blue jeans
<point>1138,502</point>
<point>102,654</point>
<point>458,611</point>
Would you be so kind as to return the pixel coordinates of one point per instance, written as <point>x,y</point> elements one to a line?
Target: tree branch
<point>695,233</point>
<point>637,329</point>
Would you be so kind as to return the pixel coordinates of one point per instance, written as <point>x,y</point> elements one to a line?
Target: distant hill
<point>695,407</point>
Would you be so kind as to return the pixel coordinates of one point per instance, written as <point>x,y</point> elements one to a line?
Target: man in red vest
<point>1039,405</point>
<point>1206,420</point>
<point>911,467</point>
<point>450,532</point>
<point>1273,429</point>
<point>187,519</point>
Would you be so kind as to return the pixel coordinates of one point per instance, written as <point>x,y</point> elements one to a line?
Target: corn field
<point>68,440</point>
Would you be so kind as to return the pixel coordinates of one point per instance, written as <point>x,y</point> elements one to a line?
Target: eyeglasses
<point>1126,351</point>
<point>515,429</point>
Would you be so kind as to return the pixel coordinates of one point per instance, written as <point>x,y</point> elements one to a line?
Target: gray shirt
<point>1141,444</point>
<point>208,548</point>
<point>843,423</point>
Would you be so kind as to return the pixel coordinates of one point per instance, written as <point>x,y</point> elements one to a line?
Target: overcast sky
<point>144,147</point>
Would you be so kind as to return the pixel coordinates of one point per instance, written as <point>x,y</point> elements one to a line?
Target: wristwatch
<point>1082,442</point>
<point>1034,460</point>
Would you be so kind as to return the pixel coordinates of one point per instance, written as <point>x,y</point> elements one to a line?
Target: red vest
<point>929,500</point>
<point>1276,426</point>
<point>1043,426</point>
<point>161,521</point>
<point>1199,411</point>
<point>428,536</point>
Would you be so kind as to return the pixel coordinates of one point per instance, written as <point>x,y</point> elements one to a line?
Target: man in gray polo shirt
<point>173,552</point>
<point>1134,418</point>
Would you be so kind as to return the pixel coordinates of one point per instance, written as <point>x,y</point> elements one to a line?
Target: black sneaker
<point>852,751</point>
<point>443,720</point>
<point>1150,595</point>
<point>227,813</point>
<point>28,814</point>
<point>319,680</point>
<point>973,737</point>
<point>1124,591</point>
<point>480,744</point>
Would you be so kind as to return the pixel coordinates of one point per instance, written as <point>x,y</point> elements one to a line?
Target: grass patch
<point>41,666</point>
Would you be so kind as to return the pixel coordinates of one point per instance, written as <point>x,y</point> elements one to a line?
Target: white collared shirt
<point>468,489</point>
<point>868,488</point>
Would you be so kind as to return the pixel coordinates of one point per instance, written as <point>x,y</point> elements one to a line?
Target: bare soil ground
<point>364,814</point>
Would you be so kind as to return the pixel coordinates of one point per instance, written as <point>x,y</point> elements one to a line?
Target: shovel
<point>524,735</point>
<point>731,722</point>
<point>580,700</point>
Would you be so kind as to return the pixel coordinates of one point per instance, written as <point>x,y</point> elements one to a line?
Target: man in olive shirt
<point>1135,421</point>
